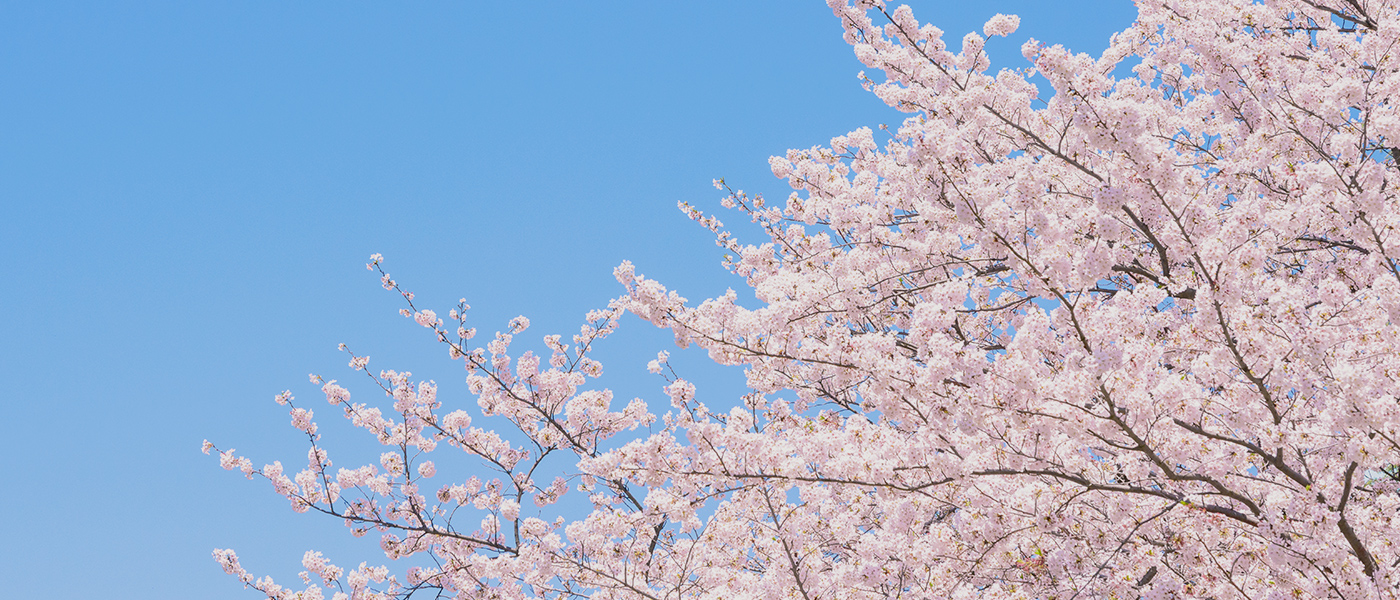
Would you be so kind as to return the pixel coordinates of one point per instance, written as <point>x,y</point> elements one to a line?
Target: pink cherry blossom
<point>1001,25</point>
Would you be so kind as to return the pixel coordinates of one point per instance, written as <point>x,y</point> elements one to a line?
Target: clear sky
<point>190,191</point>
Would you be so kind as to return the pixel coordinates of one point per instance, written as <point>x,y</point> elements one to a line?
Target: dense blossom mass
<point>1113,327</point>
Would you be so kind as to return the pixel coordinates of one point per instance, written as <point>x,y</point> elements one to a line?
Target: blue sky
<point>191,190</point>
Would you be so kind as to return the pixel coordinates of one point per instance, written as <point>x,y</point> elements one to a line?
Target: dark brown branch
<point>1274,460</point>
<point>1368,562</point>
<point>1126,489</point>
<point>1156,243</point>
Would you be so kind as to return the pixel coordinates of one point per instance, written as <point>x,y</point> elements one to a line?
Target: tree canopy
<point>1108,327</point>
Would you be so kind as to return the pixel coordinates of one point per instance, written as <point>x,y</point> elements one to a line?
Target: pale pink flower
<point>1001,25</point>
<point>427,318</point>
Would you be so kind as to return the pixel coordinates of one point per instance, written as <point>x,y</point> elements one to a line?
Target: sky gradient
<point>191,190</point>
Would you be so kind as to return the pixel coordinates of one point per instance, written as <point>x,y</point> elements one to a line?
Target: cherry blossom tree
<point>1113,327</point>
